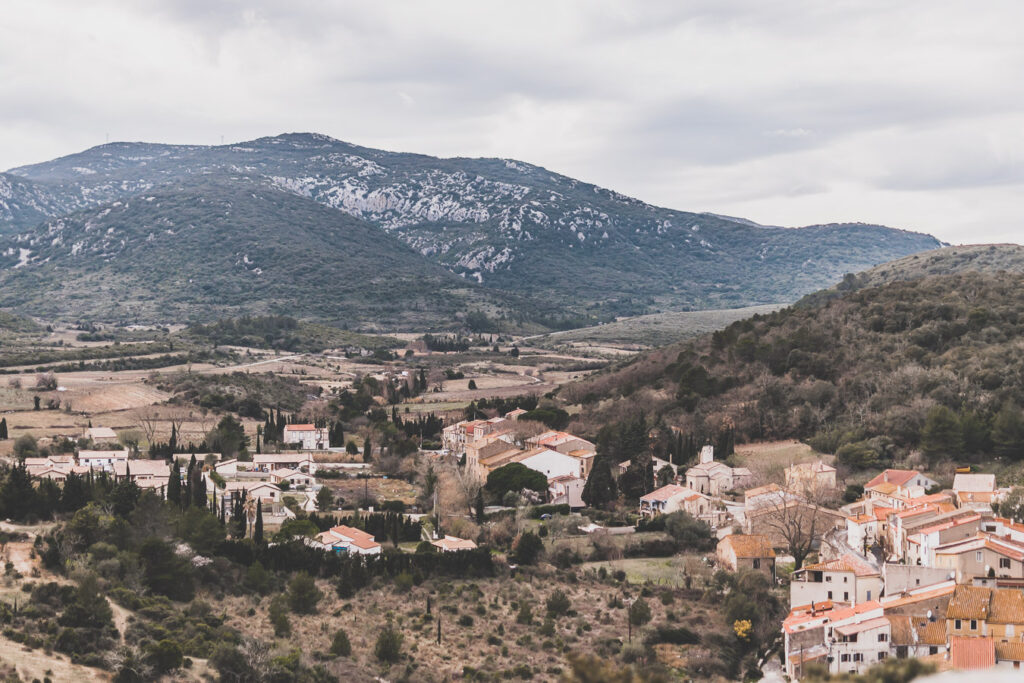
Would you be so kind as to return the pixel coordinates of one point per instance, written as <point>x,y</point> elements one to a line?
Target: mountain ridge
<point>509,227</point>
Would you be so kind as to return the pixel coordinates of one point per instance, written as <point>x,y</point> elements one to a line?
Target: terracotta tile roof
<point>453,543</point>
<point>356,537</point>
<point>972,653</point>
<point>1001,546</point>
<point>930,632</point>
<point>898,477</point>
<point>969,602</point>
<point>884,487</point>
<point>1006,607</point>
<point>749,545</point>
<point>152,468</point>
<point>668,492</point>
<point>300,428</point>
<point>846,563</point>
<point>1010,652</point>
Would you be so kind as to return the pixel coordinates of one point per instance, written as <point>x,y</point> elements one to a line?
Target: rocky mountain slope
<point>505,226</point>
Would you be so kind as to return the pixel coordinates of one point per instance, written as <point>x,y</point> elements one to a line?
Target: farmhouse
<point>738,552</point>
<point>306,436</point>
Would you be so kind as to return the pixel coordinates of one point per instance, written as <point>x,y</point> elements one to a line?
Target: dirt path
<point>120,617</point>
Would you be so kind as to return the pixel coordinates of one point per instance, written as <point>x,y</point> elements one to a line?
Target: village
<point>909,569</point>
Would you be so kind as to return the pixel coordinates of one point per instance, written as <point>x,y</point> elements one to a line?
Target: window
<point>974,624</point>
<point>957,625</point>
<point>830,595</point>
<point>844,658</point>
<point>881,655</point>
<point>858,656</point>
<point>883,637</point>
<point>845,578</point>
<point>869,595</point>
<point>933,650</point>
<point>828,578</point>
<point>1004,563</point>
<point>977,556</point>
<point>846,596</point>
<point>757,564</point>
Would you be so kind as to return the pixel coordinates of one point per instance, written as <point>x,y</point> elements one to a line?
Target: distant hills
<point>868,368</point>
<point>306,225</point>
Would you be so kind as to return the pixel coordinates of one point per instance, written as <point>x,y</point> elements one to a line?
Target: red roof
<point>972,653</point>
<point>299,428</point>
<point>898,477</point>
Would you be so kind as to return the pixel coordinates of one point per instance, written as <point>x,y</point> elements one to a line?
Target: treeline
<point>115,350</point>
<point>445,343</point>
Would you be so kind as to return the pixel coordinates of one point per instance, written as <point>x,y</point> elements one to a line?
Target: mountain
<point>511,228</point>
<point>216,246</point>
<point>866,368</point>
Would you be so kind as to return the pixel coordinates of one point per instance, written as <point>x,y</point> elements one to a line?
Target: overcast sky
<point>909,114</point>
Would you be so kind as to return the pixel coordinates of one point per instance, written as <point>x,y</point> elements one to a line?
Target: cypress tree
<point>174,484</point>
<point>257,531</point>
<point>479,506</point>
<point>367,450</point>
<point>600,489</point>
<point>198,489</point>
<point>3,428</point>
<point>259,433</point>
<point>173,442</point>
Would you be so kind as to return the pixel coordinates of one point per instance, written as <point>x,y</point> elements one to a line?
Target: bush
<point>639,612</point>
<point>389,645</point>
<point>278,613</point>
<point>303,595</point>
<point>340,645</point>
<point>528,549</point>
<point>165,656</point>
<point>558,604</point>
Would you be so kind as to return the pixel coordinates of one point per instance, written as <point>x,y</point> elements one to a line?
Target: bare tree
<point>794,520</point>
<point>147,419</point>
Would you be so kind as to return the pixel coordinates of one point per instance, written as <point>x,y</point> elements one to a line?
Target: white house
<point>567,490</point>
<point>451,544</point>
<point>306,436</point>
<point>346,539</point>
<point>293,477</point>
<point>154,471</point>
<point>101,460</point>
<point>268,462</point>
<point>848,579</point>
<point>672,498</point>
<point>552,464</point>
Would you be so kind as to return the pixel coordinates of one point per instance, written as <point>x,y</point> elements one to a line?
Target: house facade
<point>307,437</point>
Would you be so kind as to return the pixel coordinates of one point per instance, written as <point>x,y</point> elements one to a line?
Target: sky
<point>785,112</point>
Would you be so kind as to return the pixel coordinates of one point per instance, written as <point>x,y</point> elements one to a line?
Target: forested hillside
<point>934,364</point>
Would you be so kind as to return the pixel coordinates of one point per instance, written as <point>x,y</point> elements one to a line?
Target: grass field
<point>657,329</point>
<point>670,571</point>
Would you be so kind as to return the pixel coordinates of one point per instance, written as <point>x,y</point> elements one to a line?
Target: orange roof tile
<point>969,602</point>
<point>897,477</point>
<point>750,545</point>
<point>972,653</point>
<point>1010,652</point>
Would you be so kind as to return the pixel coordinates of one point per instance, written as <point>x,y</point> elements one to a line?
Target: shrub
<point>278,613</point>
<point>528,549</point>
<point>165,655</point>
<point>389,645</point>
<point>303,595</point>
<point>340,645</point>
<point>525,614</point>
<point>558,603</point>
<point>639,612</point>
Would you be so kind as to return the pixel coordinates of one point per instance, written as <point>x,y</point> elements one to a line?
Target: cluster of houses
<point>565,459</point>
<point>913,574</point>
